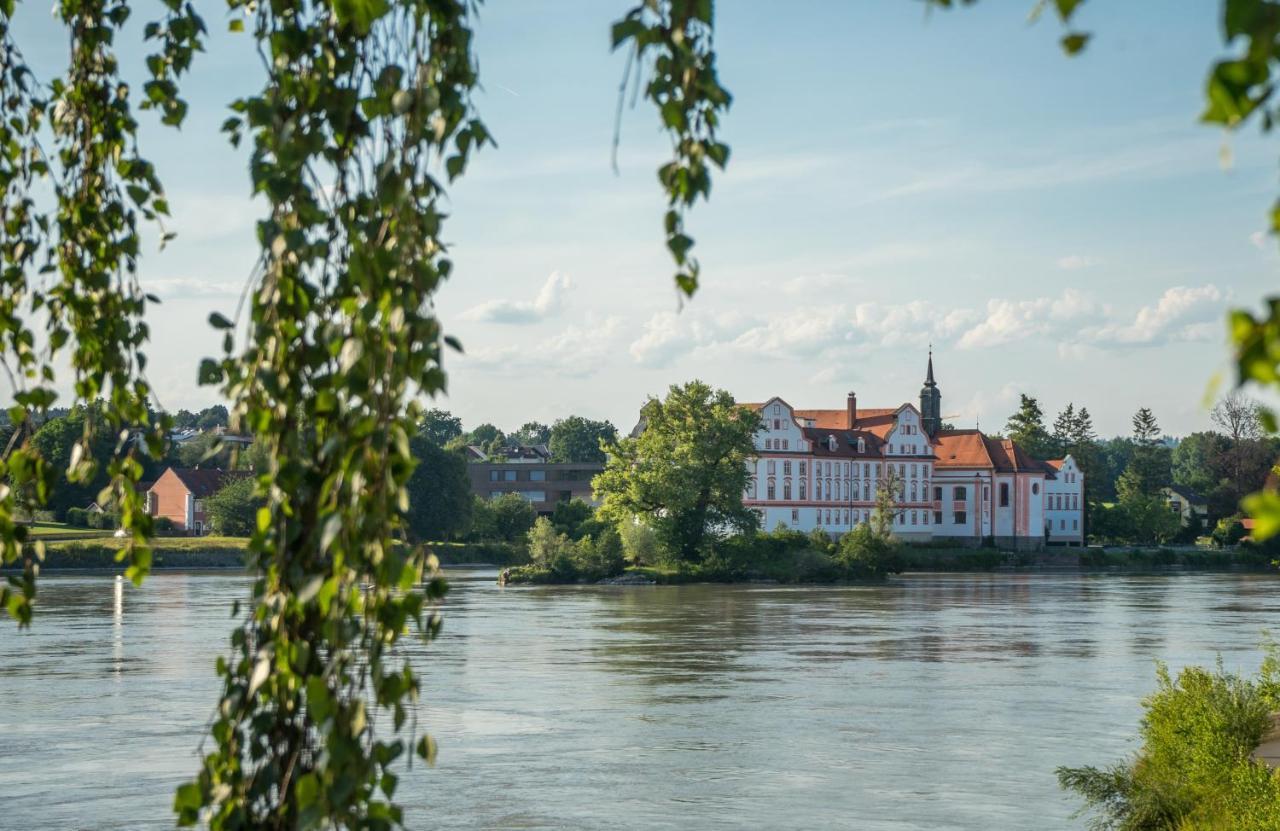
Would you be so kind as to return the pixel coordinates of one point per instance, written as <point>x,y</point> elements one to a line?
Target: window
<point>537,476</point>
<point>533,496</point>
<point>777,424</point>
<point>817,516</point>
<point>937,517</point>
<point>1004,494</point>
<point>1075,525</point>
<point>913,491</point>
<point>902,470</point>
<point>1035,488</point>
<point>768,444</point>
<point>803,482</point>
<point>914,471</point>
<point>914,518</point>
<point>862,445</point>
<point>960,494</point>
<point>828,522</point>
<point>846,516</point>
<point>770,493</point>
<point>508,475</point>
<point>777,408</point>
<point>786,444</point>
<point>786,468</point>
<point>902,518</point>
<point>925,517</point>
<point>199,506</point>
<point>891,449</point>
<point>773,466</point>
<point>1062,524</point>
<point>959,518</point>
<point>937,494</point>
<point>803,466</point>
<point>831,446</point>
<point>786,489</point>
<point>495,475</point>
<point>829,497</point>
<point>866,466</point>
<point>795,515</point>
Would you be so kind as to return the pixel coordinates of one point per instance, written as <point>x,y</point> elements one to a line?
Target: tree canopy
<point>578,439</point>
<point>685,474</point>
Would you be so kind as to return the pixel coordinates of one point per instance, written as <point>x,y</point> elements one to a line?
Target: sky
<point>1061,227</point>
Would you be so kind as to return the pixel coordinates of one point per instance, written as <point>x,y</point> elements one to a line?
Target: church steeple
<point>931,401</point>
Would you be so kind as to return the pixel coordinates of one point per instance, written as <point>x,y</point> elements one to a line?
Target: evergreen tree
<point>1064,428</point>
<point>1026,427</point>
<point>1149,467</point>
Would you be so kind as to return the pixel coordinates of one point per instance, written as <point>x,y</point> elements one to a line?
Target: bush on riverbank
<point>178,552</point>
<point>1243,557</point>
<point>1193,772</point>
<point>558,558</point>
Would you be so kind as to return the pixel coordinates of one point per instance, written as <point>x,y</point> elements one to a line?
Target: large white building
<point>822,469</point>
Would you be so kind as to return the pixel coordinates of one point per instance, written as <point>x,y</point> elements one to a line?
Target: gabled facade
<point>823,468</point>
<point>179,495</point>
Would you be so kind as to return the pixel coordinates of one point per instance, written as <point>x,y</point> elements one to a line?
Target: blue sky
<point>1062,227</point>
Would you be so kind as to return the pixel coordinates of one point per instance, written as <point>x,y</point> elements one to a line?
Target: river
<point>932,702</point>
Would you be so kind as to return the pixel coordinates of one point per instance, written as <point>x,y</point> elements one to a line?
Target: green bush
<point>639,543</point>
<point>78,517</point>
<point>103,520</point>
<point>555,558</point>
<point>233,509</point>
<point>1193,772</point>
<point>865,554</point>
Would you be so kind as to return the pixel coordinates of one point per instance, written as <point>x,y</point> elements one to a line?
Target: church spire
<point>931,401</point>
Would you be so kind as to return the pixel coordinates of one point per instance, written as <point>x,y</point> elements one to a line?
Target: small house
<point>179,495</point>
<point>1185,503</point>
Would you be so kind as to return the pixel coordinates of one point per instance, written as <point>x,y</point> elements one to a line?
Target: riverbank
<point>204,553</point>
<point>808,570</point>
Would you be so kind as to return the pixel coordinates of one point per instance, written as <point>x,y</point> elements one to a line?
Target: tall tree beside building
<point>685,474</point>
<point>439,426</point>
<point>1149,465</point>
<point>888,495</point>
<point>56,440</point>
<point>577,439</point>
<point>1026,427</point>
<point>440,500</point>
<point>233,509</point>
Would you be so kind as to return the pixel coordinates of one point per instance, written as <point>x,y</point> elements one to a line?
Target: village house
<point>180,492</point>
<point>822,469</point>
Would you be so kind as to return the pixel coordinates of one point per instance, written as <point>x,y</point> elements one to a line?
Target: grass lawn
<point>159,543</point>
<point>51,531</point>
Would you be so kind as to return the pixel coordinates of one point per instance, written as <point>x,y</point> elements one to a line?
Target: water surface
<point>933,702</point>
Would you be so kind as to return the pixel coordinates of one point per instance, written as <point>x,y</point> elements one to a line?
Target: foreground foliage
<point>1193,772</point>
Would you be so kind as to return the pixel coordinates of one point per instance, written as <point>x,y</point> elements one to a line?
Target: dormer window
<point>831,443</point>
<point>862,445</point>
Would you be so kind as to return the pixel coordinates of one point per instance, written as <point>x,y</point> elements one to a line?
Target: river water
<point>932,702</point>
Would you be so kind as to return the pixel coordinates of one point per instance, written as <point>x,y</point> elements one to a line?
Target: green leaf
<point>219,321</point>
<point>1264,507</point>
<point>1074,42</point>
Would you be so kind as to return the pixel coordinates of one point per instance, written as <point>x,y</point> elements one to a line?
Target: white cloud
<point>574,352</point>
<point>182,288</point>
<point>1075,262</point>
<point>1181,313</point>
<point>1075,321</point>
<point>549,302</point>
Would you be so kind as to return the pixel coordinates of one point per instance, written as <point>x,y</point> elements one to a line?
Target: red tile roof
<point>205,481</point>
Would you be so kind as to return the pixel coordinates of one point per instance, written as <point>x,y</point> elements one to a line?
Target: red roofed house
<point>180,492</point>
<point>822,468</point>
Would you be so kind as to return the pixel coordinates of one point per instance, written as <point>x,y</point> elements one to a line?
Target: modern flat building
<point>823,469</point>
<point>529,473</point>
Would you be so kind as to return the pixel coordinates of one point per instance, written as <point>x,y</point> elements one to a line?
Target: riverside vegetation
<point>365,111</point>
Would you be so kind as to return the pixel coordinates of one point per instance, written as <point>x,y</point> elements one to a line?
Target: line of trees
<point>573,439</point>
<point>1125,476</point>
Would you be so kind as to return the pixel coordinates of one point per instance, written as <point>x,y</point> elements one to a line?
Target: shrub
<point>78,517</point>
<point>163,526</point>
<point>864,553</point>
<point>639,543</point>
<point>103,520</point>
<point>557,558</point>
<point>508,518</point>
<point>233,510</point>
<point>1229,531</point>
<point>1193,770</point>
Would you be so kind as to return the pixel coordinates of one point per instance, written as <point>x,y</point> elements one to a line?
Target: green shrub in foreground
<point>1193,772</point>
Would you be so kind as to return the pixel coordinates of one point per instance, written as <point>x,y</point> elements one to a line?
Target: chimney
<point>853,409</point>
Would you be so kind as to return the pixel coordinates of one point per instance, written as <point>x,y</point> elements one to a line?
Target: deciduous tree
<point>685,474</point>
<point>578,439</point>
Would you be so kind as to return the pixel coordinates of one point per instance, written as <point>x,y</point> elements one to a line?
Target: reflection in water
<point>931,702</point>
<point>117,620</point>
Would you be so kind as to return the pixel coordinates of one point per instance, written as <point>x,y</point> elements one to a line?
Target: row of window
<point>540,475</point>
<point>1062,525</point>
<point>913,471</point>
<point>833,490</point>
<point>531,496</point>
<point>1063,502</point>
